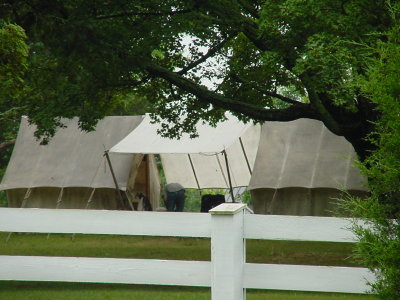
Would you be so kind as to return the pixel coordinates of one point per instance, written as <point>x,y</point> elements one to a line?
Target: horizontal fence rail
<point>183,273</point>
<point>306,278</point>
<point>295,228</point>
<point>267,227</point>
<point>104,222</point>
<point>227,274</point>
<point>105,270</point>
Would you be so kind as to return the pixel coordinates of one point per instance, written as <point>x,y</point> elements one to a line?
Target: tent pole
<point>59,200</point>
<point>195,175</point>
<point>222,170</point>
<point>90,199</point>
<point>194,172</point>
<point>147,161</point>
<point>245,155</point>
<point>229,175</point>
<point>114,178</point>
<point>27,194</point>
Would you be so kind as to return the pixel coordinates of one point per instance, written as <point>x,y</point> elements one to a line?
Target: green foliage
<point>246,198</point>
<point>265,59</point>
<point>130,104</point>
<point>379,245</point>
<point>13,66</point>
<point>86,291</point>
<point>192,201</point>
<point>67,72</point>
<point>3,199</point>
<point>13,60</point>
<point>257,251</point>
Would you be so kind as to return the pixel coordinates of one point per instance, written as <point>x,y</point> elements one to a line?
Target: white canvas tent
<point>199,162</point>
<point>300,168</point>
<point>71,171</point>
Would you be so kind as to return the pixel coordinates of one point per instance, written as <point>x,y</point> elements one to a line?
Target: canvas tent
<point>199,162</point>
<point>71,171</point>
<point>300,168</point>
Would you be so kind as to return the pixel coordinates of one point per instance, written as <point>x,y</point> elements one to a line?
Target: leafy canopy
<point>263,60</point>
<point>13,66</point>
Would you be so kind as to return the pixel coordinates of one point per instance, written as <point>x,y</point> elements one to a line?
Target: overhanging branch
<point>319,106</point>
<point>203,58</point>
<point>249,8</point>
<point>135,13</point>
<point>296,111</point>
<point>263,91</point>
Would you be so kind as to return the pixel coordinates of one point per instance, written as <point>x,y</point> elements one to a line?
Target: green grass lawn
<point>258,251</point>
<point>313,253</point>
<point>77,291</point>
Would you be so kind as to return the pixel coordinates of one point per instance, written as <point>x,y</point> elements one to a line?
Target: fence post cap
<point>227,209</point>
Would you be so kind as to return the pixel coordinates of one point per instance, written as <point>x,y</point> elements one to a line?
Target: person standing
<point>174,197</point>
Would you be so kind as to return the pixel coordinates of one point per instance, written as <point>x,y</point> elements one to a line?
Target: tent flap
<point>304,153</point>
<point>145,139</point>
<point>198,162</point>
<point>73,158</point>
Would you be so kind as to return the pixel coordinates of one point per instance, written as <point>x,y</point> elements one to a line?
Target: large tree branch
<point>209,53</point>
<point>249,25</point>
<point>319,106</point>
<point>263,91</point>
<point>299,110</point>
<point>236,19</point>
<point>6,144</point>
<point>251,29</point>
<point>135,13</point>
<point>249,8</point>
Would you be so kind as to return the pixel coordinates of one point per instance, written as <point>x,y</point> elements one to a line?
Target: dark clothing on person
<point>174,197</point>
<point>146,201</point>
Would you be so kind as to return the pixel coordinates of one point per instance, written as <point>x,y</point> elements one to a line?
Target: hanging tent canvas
<point>301,167</point>
<point>201,162</point>
<point>72,171</point>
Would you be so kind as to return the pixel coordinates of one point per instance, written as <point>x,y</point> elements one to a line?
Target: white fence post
<point>227,252</point>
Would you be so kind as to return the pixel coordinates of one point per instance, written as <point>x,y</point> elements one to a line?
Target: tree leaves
<point>379,245</point>
<point>247,54</point>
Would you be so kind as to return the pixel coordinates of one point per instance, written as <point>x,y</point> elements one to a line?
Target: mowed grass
<point>313,253</point>
<point>258,251</point>
<point>79,291</point>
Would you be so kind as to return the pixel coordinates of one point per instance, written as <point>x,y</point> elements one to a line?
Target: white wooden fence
<point>227,274</point>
